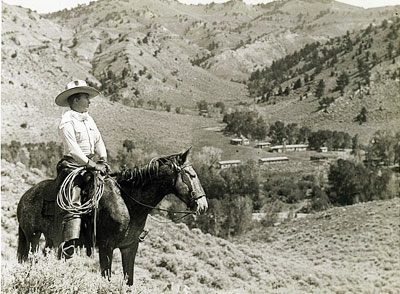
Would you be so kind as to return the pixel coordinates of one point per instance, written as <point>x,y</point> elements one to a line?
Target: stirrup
<point>63,251</point>
<point>143,235</point>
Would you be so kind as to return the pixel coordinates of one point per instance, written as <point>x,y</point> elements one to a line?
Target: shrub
<point>319,199</point>
<point>270,211</point>
<point>362,116</point>
<point>43,156</point>
<point>351,183</point>
<point>325,102</point>
<point>168,262</point>
<point>46,274</point>
<point>241,273</point>
<point>202,105</point>
<point>129,145</point>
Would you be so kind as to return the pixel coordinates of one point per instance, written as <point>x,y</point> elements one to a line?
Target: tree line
<point>251,125</point>
<point>235,193</point>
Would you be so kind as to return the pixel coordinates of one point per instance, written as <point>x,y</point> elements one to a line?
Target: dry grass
<point>351,249</point>
<point>343,250</point>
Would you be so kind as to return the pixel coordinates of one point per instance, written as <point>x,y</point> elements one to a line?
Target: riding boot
<point>71,227</point>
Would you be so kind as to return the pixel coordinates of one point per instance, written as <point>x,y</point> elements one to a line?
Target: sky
<point>44,6</point>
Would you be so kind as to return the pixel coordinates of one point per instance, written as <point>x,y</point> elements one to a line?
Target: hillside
<point>34,71</point>
<point>358,70</point>
<point>154,60</point>
<point>231,38</point>
<point>342,250</point>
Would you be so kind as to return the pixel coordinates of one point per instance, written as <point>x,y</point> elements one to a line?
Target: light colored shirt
<point>81,137</point>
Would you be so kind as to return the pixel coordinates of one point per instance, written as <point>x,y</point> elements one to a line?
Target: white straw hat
<point>74,87</point>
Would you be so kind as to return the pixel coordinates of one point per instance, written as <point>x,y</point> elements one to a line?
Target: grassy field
<point>350,249</point>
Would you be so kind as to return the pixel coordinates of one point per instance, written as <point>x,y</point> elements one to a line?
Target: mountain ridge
<point>139,57</point>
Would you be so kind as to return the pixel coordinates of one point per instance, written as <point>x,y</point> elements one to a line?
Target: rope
<point>65,196</point>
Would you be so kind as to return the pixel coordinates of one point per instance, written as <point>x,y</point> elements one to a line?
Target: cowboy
<point>82,141</point>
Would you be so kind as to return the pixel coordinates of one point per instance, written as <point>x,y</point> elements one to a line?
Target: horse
<point>128,197</point>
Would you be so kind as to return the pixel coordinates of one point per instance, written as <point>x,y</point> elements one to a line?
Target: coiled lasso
<point>65,195</point>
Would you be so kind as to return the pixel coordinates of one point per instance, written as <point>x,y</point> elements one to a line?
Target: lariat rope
<point>65,195</point>
<point>65,198</point>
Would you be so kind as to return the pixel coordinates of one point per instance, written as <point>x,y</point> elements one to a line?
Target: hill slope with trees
<point>163,56</point>
<point>349,83</point>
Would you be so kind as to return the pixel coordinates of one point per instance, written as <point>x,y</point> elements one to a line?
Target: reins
<point>168,221</point>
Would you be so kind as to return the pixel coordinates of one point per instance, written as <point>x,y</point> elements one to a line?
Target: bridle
<point>181,171</point>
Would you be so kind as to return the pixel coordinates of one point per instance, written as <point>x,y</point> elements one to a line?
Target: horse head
<point>187,184</point>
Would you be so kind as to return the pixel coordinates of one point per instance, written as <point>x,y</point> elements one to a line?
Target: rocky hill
<point>156,55</point>
<point>227,39</point>
<point>326,85</point>
<point>36,67</point>
<point>351,249</point>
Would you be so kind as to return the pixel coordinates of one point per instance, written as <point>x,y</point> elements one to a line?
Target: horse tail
<point>23,245</point>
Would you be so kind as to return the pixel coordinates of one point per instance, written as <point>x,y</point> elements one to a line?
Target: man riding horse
<point>82,141</point>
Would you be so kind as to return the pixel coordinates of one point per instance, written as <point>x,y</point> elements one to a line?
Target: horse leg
<point>23,245</point>
<point>35,242</point>
<point>106,256</point>
<point>128,261</point>
<point>48,244</point>
<point>26,242</point>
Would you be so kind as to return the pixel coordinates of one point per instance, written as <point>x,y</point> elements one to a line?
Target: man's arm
<point>100,148</point>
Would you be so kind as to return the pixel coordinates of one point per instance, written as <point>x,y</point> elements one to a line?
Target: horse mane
<point>139,175</point>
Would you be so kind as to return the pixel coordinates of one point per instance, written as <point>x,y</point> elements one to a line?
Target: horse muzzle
<point>201,204</point>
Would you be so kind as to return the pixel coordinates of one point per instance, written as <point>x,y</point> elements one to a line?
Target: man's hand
<point>103,166</point>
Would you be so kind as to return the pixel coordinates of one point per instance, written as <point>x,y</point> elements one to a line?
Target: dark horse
<point>128,198</point>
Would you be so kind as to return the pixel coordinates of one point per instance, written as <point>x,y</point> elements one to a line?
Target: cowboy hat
<point>75,87</point>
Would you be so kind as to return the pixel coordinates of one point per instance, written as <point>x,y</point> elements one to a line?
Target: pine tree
<point>362,116</point>
<point>297,84</point>
<point>342,81</point>
<point>319,92</point>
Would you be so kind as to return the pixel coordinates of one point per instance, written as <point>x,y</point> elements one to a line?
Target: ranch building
<point>262,145</point>
<point>228,163</point>
<point>322,149</point>
<point>268,160</point>
<point>240,141</point>
<point>287,148</point>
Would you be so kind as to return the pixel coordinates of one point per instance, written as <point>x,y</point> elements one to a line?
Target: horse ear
<point>184,156</point>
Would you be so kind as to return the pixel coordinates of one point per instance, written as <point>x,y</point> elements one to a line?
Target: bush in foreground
<point>46,274</point>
